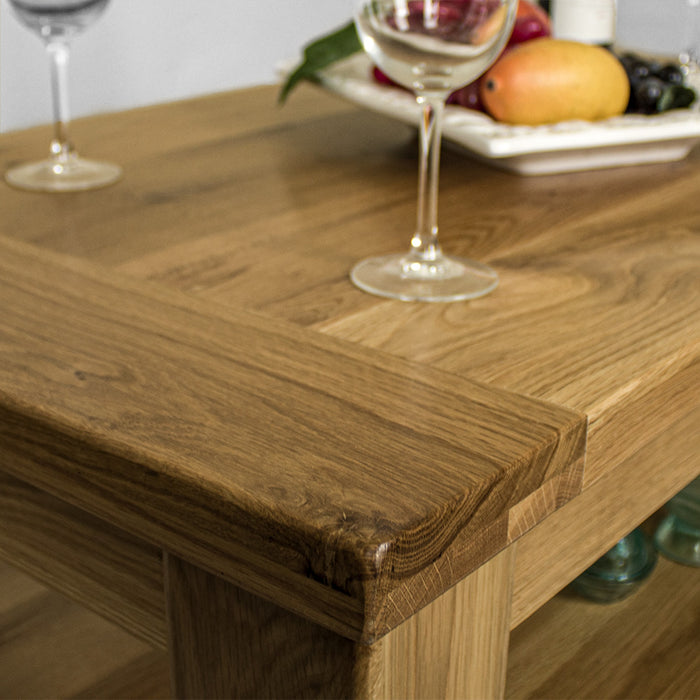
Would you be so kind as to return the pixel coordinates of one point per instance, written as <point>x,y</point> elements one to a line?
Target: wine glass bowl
<point>431,47</point>
<point>56,19</point>
<point>57,22</point>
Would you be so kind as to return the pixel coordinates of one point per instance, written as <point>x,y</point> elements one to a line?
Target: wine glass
<point>57,22</point>
<point>432,47</point>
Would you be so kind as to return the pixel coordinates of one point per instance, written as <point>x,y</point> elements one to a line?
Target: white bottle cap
<point>588,21</point>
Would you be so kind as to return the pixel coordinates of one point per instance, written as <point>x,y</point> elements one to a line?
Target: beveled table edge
<point>553,463</point>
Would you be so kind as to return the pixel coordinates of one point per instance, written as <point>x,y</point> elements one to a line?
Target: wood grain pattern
<point>645,646</point>
<point>455,648</point>
<point>574,537</point>
<point>51,647</point>
<point>85,558</point>
<point>226,643</point>
<point>594,315</point>
<point>156,414</point>
<point>562,651</point>
<point>193,169</point>
<point>604,267</point>
<point>197,370</point>
<point>541,503</point>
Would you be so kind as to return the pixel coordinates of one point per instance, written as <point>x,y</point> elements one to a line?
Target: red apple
<point>531,22</point>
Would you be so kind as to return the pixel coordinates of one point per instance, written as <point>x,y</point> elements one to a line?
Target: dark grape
<point>627,59</point>
<point>654,67</point>
<point>654,87</point>
<point>638,71</point>
<point>647,94</point>
<point>671,74</point>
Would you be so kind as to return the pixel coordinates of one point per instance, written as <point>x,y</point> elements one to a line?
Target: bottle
<point>588,21</point>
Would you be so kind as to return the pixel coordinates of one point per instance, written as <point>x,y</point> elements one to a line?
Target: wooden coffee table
<point>209,436</point>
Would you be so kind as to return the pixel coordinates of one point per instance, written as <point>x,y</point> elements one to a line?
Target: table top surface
<point>184,354</point>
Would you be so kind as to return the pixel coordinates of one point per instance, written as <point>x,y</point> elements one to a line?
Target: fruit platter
<point>545,106</point>
<point>629,139</point>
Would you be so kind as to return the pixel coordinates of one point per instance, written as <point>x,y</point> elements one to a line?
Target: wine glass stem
<point>59,53</point>
<point>424,244</point>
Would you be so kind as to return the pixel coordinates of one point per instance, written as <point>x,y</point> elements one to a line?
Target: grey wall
<point>658,26</point>
<point>147,51</point>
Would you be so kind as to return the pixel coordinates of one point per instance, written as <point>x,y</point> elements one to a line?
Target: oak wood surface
<point>569,541</point>
<point>85,558</point>
<point>598,268</point>
<point>645,646</point>
<point>455,648</point>
<point>226,643</point>
<point>603,265</point>
<point>51,647</point>
<point>562,651</point>
<point>196,368</point>
<point>156,414</point>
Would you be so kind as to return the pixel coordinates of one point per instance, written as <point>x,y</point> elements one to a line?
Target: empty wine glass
<point>432,47</point>
<point>57,22</point>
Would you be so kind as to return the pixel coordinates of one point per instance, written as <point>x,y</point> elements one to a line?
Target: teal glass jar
<point>620,571</point>
<point>678,535</point>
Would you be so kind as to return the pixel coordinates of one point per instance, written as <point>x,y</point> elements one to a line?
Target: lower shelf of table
<point>645,646</point>
<point>51,647</point>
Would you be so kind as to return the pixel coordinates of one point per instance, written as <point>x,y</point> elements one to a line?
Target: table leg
<point>225,642</point>
<point>456,647</point>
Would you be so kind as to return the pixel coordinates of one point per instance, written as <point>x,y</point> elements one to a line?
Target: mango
<point>547,80</point>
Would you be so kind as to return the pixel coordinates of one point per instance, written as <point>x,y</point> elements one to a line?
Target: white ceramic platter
<point>563,147</point>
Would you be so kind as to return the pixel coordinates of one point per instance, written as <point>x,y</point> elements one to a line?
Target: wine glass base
<point>402,277</point>
<point>71,175</point>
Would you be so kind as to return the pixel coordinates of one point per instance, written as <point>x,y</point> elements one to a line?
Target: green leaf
<point>322,53</point>
<point>675,97</point>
